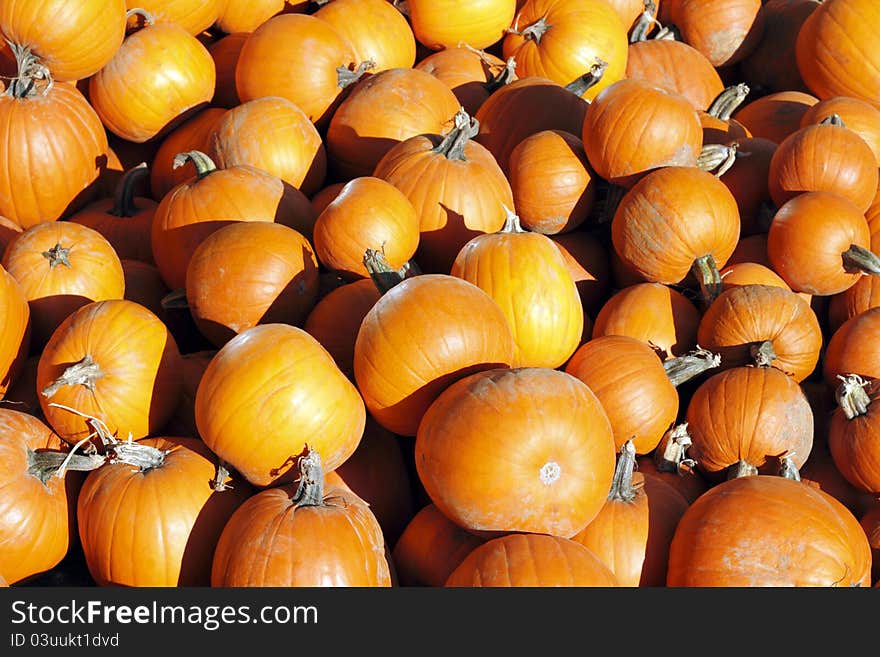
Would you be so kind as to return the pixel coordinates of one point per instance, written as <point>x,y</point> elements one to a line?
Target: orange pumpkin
<point>853,431</point>
<point>858,115</point>
<point>15,330</point>
<point>225,52</point>
<point>194,16</point>
<point>852,349</point>
<point>439,24</point>
<point>726,31</point>
<point>248,15</point>
<point>776,115</point>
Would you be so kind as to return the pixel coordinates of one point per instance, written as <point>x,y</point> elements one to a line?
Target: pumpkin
<point>430,548</point>
<point>561,39</point>
<point>114,361</point>
<point>40,184</point>
<point>225,52</point>
<point>173,543</point>
<point>214,198</point>
<point>377,31</point>
<point>37,508</point>
<point>15,330</point>
<point>751,248</point>
<point>665,231</point>
<point>835,50</point>
<point>524,272</point>
<point>819,243</point>
<point>61,266</point>
<point>639,16</point>
<point>157,78</point>
<point>776,115</point>
<point>635,127</point>
<point>633,531</point>
<point>304,535</point>
<point>824,157</point>
<point>553,184</point>
<point>743,318</point>
<point>852,433</point>
<point>677,67</point>
<point>631,383</point>
<point>455,185</point>
<point>382,110</point>
<point>8,230</point>
<point>852,349</point>
<point>669,462</point>
<point>493,461</point>
<point>531,560</point>
<point>194,16</point>
<point>183,420</point>
<point>718,126</point>
<point>654,313</point>
<point>271,134</point>
<point>753,273</point>
<point>587,262</point>
<point>125,219</point>
<point>471,74</point>
<point>748,416</point>
<point>335,319</point>
<point>439,24</point>
<point>368,213</point>
<point>301,58</point>
<point>747,179</point>
<point>460,325</point>
<point>858,115</point>
<point>725,31</point>
<point>305,400</point>
<point>323,197</point>
<point>722,538</point>
<point>144,285</point>
<point>247,15</point>
<point>73,41</point>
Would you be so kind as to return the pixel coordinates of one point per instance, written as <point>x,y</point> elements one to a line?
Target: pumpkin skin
<point>194,16</point>
<point>628,377</point>
<point>807,238</point>
<point>376,30</point>
<point>382,110</point>
<point>531,560</point>
<point>722,538</point>
<point>15,331</point>
<point>457,194</point>
<point>430,548</point>
<point>157,78</point>
<point>183,420</point>
<point>853,436</point>
<point>837,32</point>
<point>336,318</point>
<point>524,272</point>
<point>439,24</point>
<point>751,414</point>
<point>135,389</point>
<point>633,531</point>
<point>368,213</point>
<point>776,115</point>
<point>846,166</point>
<point>552,182</point>
<point>144,285</point>
<point>53,155</point>
<point>333,539</point>
<point>306,401</point>
<point>270,265</point>
<point>852,349</point>
<point>748,314</point>
<point>726,31</point>
<point>275,135</point>
<point>753,273</point>
<point>677,67</point>
<point>661,226</point>
<point>572,36</point>
<point>747,179</point>
<point>471,74</point>
<point>225,53</point>
<point>295,56</point>
<point>492,461</point>
<point>654,313</point>
<point>156,549</point>
<point>635,127</point>
<point>866,291</point>
<point>73,40</point>
<point>247,15</point>
<point>462,327</point>
<point>858,115</point>
<point>61,266</point>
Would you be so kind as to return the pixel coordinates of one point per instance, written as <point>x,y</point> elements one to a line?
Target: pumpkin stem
<point>622,488</point>
<point>310,491</point>
<point>45,464</point>
<point>175,300</point>
<point>148,18</point>
<point>706,272</point>
<point>591,78</point>
<point>57,255</point>
<point>535,31</point>
<point>202,162</point>
<point>346,77</point>
<point>123,197</point>
<point>221,477</point>
<point>504,77</point>
<point>647,19</point>
<point>143,457</point>
<point>381,272</point>
<point>852,397</point>
<point>30,70</point>
<point>465,128</point>
<point>787,468</point>
<point>726,103</point>
<point>83,373</point>
<point>684,368</point>
<point>762,353</point>
<point>511,222</point>
<point>858,259</point>
<point>717,157</point>
<point>401,6</point>
<point>833,119</point>
<point>671,453</point>
<point>741,469</point>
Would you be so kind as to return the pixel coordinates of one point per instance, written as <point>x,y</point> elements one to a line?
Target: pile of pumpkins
<point>439,293</point>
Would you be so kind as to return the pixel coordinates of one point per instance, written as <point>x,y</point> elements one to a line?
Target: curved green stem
<point>203,163</point>
<point>726,103</point>
<point>858,259</point>
<point>684,368</point>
